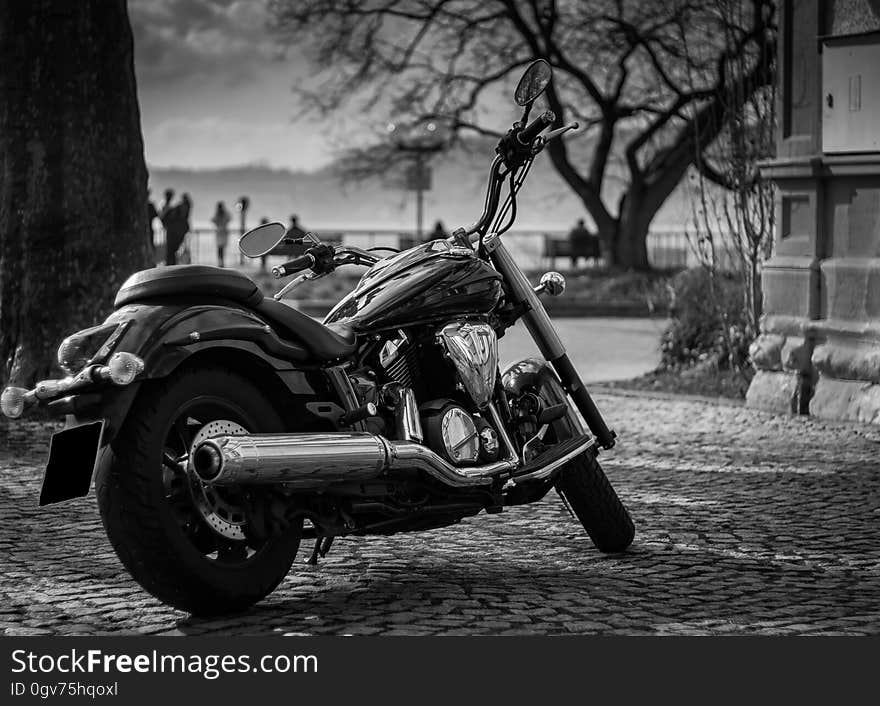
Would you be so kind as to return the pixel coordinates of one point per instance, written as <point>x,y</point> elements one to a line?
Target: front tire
<point>185,543</point>
<point>587,490</point>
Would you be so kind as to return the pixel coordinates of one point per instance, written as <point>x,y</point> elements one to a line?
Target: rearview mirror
<point>533,82</point>
<point>262,240</point>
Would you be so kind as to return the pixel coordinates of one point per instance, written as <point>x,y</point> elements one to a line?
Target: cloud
<point>180,40</point>
<point>214,141</point>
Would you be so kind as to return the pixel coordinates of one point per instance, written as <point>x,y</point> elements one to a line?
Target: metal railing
<point>667,249</point>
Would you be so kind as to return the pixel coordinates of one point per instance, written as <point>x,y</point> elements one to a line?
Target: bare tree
<point>734,228</point>
<point>646,78</point>
<point>73,184</point>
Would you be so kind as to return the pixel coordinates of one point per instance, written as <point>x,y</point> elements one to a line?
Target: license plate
<point>73,454</point>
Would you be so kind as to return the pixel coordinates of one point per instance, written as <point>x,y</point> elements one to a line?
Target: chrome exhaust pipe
<point>315,461</point>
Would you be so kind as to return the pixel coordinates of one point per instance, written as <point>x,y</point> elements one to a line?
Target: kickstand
<point>565,502</point>
<point>322,546</point>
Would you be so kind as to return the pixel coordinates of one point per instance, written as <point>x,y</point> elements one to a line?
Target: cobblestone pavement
<point>746,523</point>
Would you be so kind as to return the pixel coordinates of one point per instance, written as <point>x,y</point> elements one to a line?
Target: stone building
<point>819,348</point>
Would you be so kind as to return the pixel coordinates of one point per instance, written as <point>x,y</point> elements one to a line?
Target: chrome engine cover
<point>473,349</point>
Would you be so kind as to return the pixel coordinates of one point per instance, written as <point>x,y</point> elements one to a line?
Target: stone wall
<point>819,348</point>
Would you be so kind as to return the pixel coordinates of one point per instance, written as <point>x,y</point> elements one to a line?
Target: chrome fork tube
<point>536,318</point>
<point>540,326</point>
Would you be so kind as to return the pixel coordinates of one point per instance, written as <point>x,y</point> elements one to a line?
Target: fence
<point>667,249</point>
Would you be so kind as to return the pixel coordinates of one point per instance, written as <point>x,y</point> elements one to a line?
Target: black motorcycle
<point>223,427</point>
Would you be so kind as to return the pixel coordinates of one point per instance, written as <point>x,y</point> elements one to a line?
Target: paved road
<point>602,349</point>
<point>747,523</point>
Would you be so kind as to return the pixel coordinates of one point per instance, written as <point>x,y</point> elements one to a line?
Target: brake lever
<point>306,276</point>
<point>557,132</point>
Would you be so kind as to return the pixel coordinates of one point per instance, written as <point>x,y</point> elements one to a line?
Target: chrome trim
<point>473,349</point>
<point>406,455</point>
<point>315,461</point>
<point>536,319</point>
<point>306,276</point>
<point>552,283</point>
<point>299,460</point>
<point>546,471</point>
<point>502,434</point>
<point>537,437</point>
<point>409,424</point>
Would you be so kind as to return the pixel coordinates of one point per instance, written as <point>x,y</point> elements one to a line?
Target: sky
<point>215,88</point>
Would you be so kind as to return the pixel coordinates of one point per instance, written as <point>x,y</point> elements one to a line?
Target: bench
<point>555,246</point>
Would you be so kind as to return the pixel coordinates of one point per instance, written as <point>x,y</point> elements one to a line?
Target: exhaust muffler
<point>315,461</point>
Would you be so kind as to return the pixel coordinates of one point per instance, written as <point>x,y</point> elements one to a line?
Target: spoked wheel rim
<point>211,519</point>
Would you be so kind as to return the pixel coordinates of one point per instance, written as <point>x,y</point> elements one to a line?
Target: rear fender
<point>166,336</point>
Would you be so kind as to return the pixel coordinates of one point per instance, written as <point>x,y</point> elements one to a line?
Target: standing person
<point>176,222</point>
<point>221,223</point>
<point>582,243</point>
<point>152,215</point>
<point>165,209</point>
<point>165,206</point>
<point>185,209</point>
<point>263,258</point>
<point>294,230</point>
<point>439,232</point>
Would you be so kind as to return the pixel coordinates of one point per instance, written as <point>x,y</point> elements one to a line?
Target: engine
<point>450,373</point>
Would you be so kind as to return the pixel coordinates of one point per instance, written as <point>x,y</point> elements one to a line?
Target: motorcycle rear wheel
<point>188,548</point>
<point>589,493</point>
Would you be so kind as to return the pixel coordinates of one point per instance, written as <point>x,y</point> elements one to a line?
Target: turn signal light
<point>123,368</point>
<point>12,402</point>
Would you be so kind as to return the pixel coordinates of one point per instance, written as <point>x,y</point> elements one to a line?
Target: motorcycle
<point>222,427</point>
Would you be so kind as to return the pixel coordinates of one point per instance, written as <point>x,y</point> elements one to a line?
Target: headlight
<point>82,348</point>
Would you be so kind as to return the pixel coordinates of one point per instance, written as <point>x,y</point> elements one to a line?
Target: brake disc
<point>224,517</point>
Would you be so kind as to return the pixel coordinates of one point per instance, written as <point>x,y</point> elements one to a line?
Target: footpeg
<point>322,546</point>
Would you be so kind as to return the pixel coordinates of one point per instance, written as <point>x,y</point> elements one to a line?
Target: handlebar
<point>293,266</point>
<point>527,135</point>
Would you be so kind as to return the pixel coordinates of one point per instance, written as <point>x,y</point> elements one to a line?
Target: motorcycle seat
<point>323,342</point>
<point>191,280</point>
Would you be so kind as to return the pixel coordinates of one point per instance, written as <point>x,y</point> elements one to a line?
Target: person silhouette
<point>439,232</point>
<point>582,243</point>
<point>221,225</point>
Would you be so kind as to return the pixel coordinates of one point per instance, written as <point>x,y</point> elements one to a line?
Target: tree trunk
<point>630,249</point>
<point>73,183</point>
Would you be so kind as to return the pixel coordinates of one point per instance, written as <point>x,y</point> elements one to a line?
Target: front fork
<point>541,328</point>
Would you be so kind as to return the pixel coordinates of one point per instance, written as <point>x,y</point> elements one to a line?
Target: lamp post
<point>242,206</point>
<point>418,141</point>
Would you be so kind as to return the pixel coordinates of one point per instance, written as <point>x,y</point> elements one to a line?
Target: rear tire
<point>159,525</point>
<point>586,488</point>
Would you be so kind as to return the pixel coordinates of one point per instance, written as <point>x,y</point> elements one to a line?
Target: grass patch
<point>704,379</point>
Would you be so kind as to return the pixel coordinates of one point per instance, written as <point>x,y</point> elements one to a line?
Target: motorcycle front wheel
<point>589,493</point>
<point>188,544</point>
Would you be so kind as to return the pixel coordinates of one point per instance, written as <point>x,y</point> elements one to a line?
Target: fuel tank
<point>432,281</point>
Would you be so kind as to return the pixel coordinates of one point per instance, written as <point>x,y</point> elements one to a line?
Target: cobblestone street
<point>746,523</point>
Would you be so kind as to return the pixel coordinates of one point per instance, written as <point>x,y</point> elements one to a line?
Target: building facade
<point>819,348</point>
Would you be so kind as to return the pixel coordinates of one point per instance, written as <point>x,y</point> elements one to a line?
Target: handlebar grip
<point>536,127</point>
<point>293,266</point>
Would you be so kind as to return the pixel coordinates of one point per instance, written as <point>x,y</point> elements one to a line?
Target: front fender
<point>536,375</point>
